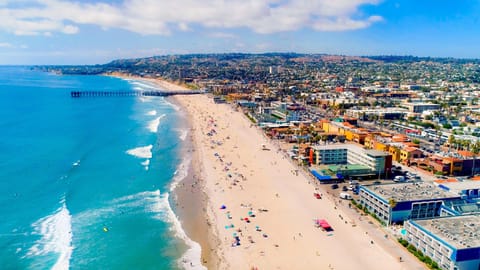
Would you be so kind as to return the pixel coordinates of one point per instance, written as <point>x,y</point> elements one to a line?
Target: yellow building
<point>395,152</point>
<point>380,146</point>
<point>408,153</point>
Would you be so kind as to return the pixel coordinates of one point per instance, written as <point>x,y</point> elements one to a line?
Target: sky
<point>98,31</point>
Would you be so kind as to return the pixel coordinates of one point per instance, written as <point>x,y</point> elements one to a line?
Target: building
<point>409,153</point>
<point>452,242</point>
<point>421,107</point>
<point>378,162</point>
<point>331,155</point>
<point>385,113</point>
<point>395,203</point>
<point>466,189</point>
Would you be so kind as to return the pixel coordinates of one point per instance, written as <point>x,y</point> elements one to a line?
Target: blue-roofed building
<point>452,242</point>
<point>323,179</point>
<point>395,203</point>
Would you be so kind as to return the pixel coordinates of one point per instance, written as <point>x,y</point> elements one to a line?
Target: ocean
<point>85,182</point>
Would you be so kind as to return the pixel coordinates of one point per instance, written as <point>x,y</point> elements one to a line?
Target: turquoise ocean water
<point>85,183</point>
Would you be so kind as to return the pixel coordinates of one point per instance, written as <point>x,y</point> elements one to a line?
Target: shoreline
<point>269,208</point>
<point>189,191</point>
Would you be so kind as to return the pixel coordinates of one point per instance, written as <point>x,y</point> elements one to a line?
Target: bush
<point>412,248</point>
<point>403,242</point>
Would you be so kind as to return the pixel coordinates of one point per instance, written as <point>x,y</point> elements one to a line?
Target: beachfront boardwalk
<point>159,93</point>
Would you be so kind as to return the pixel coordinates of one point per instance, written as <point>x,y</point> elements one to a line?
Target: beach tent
<point>223,207</point>
<point>324,224</point>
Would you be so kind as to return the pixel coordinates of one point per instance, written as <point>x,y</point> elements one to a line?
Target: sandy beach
<point>259,210</point>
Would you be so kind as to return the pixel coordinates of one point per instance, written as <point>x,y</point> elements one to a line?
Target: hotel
<point>452,242</point>
<point>395,203</point>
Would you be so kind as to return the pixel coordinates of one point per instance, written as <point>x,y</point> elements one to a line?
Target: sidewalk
<point>382,236</point>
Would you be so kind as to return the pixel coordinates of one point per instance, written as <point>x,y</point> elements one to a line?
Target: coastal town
<point>393,140</point>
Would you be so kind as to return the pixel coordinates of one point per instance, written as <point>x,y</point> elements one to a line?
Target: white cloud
<point>222,35</point>
<point>153,17</point>
<point>6,45</point>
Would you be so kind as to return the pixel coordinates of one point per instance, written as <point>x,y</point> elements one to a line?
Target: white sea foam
<point>135,202</point>
<point>191,259</point>
<point>153,125</point>
<point>146,163</point>
<point>152,113</point>
<point>156,204</point>
<point>181,172</point>
<point>56,237</point>
<point>144,85</point>
<point>141,152</point>
<point>175,107</point>
<point>144,99</point>
<point>183,134</point>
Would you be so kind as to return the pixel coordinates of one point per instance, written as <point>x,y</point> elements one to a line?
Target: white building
<point>421,107</point>
<point>377,161</point>
<point>452,242</point>
<point>395,203</point>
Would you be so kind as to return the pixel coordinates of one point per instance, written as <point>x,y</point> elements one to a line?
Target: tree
<point>451,140</point>
<point>447,126</point>
<point>392,203</point>
<point>475,150</point>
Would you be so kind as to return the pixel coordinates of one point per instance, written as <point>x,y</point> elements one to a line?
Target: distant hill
<point>217,65</point>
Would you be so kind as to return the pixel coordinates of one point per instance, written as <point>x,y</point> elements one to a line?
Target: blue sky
<point>96,32</point>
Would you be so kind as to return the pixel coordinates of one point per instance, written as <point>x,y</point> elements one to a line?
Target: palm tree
<point>451,140</point>
<point>392,202</point>
<point>475,150</point>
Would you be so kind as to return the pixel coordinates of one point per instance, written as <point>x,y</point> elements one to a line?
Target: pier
<point>79,94</point>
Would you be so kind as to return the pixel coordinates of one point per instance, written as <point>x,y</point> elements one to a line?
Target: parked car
<point>345,196</point>
<point>344,188</point>
<point>334,186</point>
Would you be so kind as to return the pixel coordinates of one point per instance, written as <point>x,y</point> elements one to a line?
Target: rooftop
<point>460,231</point>
<point>410,191</point>
<point>458,187</point>
<point>463,206</point>
<point>376,153</point>
<point>348,167</point>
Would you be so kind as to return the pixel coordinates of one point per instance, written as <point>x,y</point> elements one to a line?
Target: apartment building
<point>395,203</point>
<point>452,242</point>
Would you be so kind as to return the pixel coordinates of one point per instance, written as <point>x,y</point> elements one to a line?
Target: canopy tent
<point>324,224</point>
